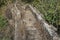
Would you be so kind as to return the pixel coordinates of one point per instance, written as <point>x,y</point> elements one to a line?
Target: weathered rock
<point>27,27</point>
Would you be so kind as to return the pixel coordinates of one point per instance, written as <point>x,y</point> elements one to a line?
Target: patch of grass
<point>3,21</point>
<point>4,31</point>
<point>50,9</point>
